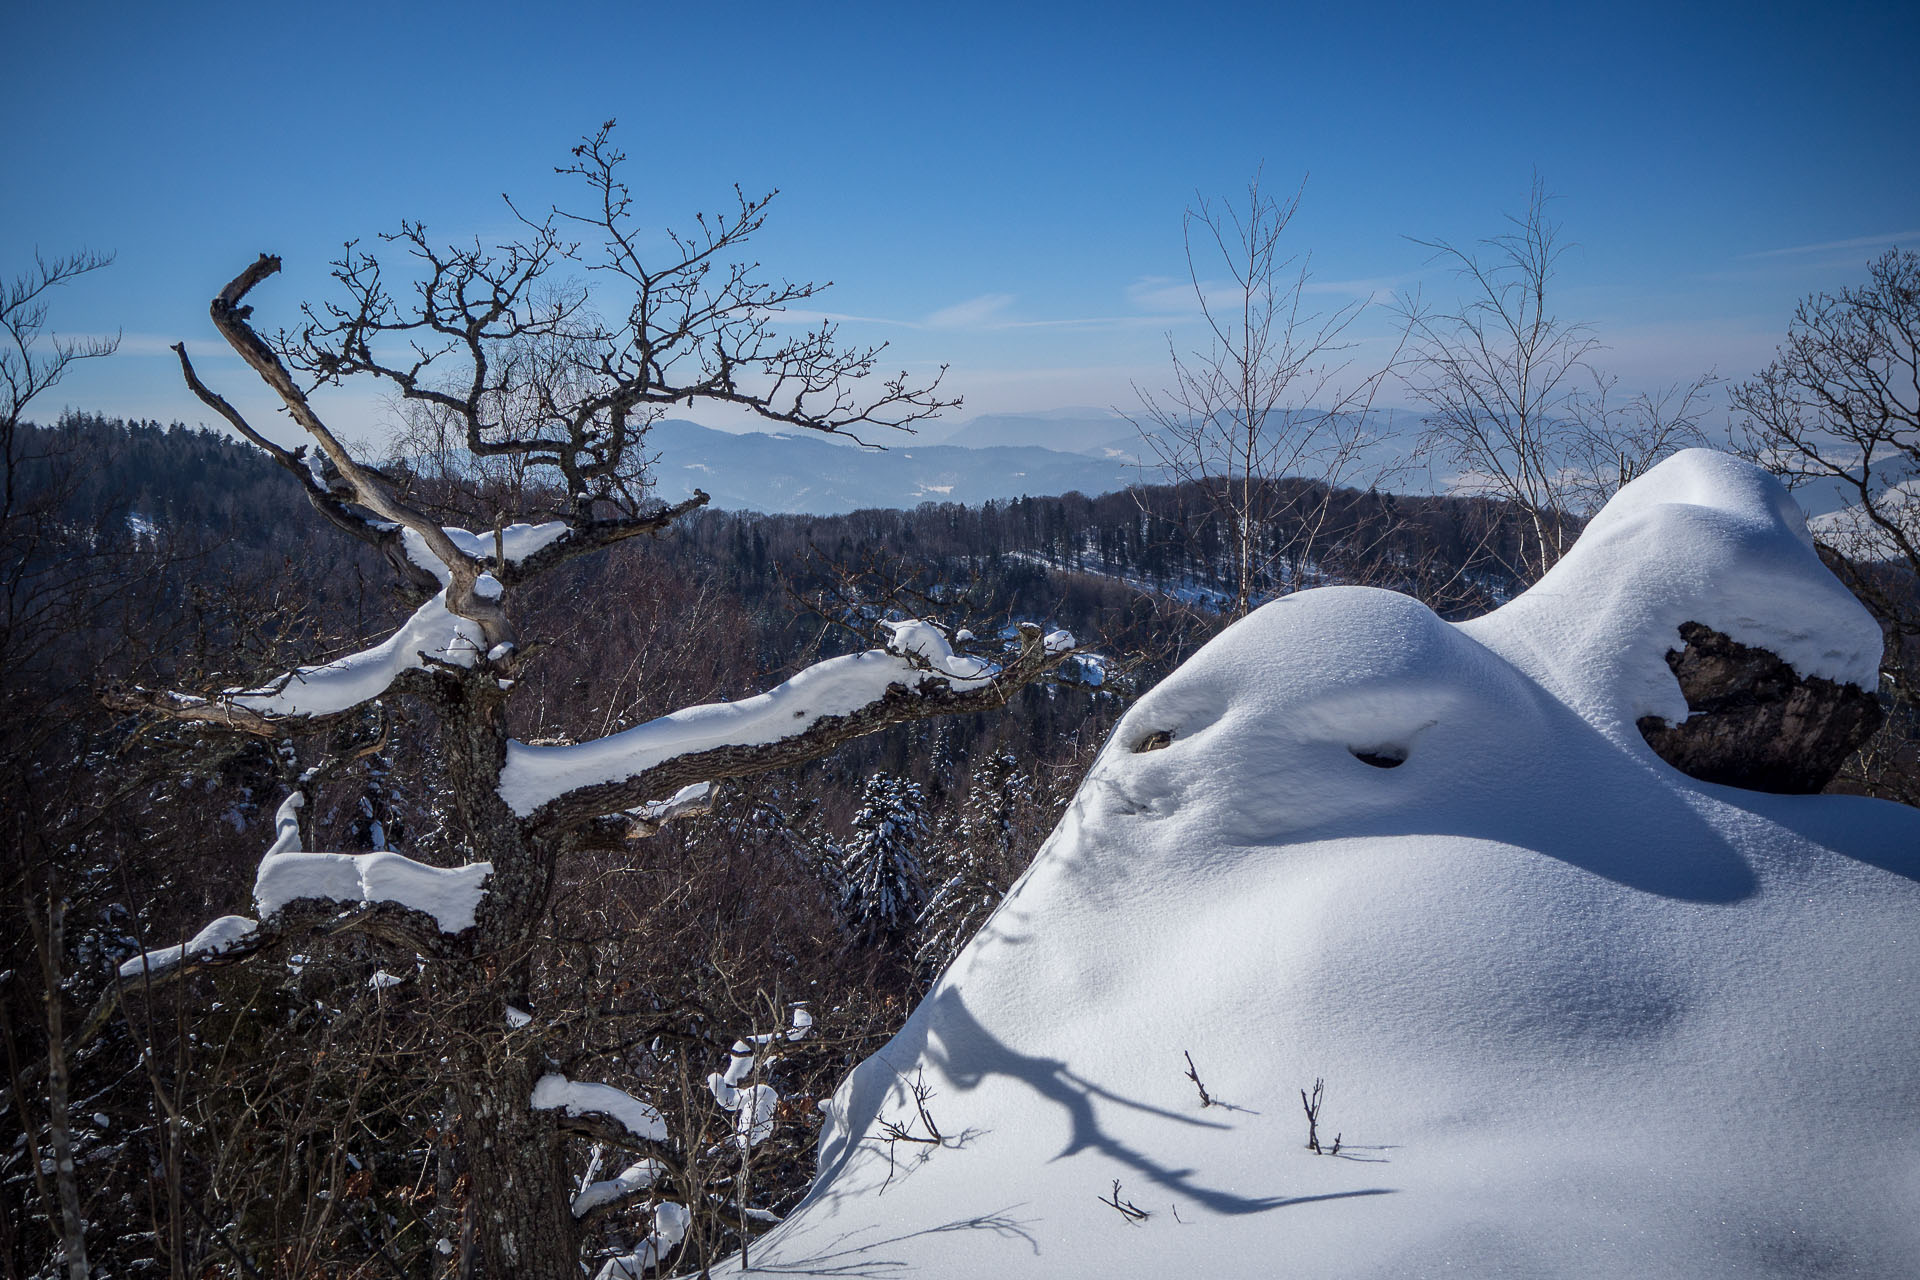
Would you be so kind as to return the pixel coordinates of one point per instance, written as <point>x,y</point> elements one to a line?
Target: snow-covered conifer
<point>970,870</point>
<point>881,885</point>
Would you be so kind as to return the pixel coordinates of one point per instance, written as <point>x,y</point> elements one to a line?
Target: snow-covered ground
<point>1576,1014</point>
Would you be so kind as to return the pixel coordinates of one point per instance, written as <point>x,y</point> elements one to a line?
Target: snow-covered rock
<point>1577,1014</point>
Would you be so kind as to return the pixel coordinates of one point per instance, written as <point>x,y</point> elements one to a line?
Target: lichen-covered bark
<point>1755,722</point>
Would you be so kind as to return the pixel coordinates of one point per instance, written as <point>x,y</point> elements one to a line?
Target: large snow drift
<point>1577,1014</point>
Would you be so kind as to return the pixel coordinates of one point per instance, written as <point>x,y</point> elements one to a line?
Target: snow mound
<point>1576,1013</point>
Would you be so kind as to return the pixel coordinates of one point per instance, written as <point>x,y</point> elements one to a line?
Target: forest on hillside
<point>571,914</point>
<point>228,1113</point>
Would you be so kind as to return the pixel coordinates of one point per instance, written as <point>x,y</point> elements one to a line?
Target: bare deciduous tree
<point>1839,407</point>
<point>31,359</point>
<point>1512,397</point>
<point>31,362</point>
<point>1271,396</point>
<point>530,373</point>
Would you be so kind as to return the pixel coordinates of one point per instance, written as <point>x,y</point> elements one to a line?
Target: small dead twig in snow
<point>1312,1107</point>
<point>1193,1074</point>
<point>1132,1212</point>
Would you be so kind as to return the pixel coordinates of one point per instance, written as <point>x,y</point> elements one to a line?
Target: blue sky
<point>996,187</point>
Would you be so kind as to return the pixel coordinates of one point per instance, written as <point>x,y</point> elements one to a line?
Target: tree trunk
<point>73,1234</point>
<point>518,1199</point>
<point>518,1202</point>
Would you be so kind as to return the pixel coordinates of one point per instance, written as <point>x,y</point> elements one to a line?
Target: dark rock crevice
<point>1755,722</point>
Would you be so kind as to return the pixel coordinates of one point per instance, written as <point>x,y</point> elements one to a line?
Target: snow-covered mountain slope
<point>1576,1014</point>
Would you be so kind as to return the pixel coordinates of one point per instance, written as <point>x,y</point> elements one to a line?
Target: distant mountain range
<point>1095,432</point>
<point>998,456</point>
<point>812,475</point>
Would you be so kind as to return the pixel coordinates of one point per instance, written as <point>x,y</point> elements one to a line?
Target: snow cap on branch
<point>345,683</point>
<point>554,1092</point>
<point>840,686</point>
<point>519,541</point>
<point>221,936</point>
<point>754,1107</point>
<point>670,1222</point>
<point>630,1181</point>
<point>451,895</point>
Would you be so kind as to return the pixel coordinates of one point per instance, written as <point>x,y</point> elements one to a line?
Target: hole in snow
<point>1153,741</point>
<point>1388,757</point>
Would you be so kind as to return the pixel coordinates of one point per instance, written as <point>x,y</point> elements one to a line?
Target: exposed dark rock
<point>1755,722</point>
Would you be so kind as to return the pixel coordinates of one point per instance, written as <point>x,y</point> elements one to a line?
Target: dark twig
<point>1312,1107</point>
<point>1193,1074</point>
<point>1132,1212</point>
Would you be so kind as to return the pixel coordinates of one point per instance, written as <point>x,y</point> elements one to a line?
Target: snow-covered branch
<point>222,936</point>
<point>689,801</point>
<point>288,873</point>
<point>361,486</point>
<point>499,552</point>
<point>636,1179</point>
<point>581,1101</point>
<point>918,674</point>
<point>432,635</point>
<point>670,1223</point>
<point>753,1107</point>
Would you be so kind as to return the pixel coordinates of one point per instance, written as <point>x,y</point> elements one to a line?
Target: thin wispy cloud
<point>984,314</point>
<point>974,313</point>
<point>1370,289</point>
<point>1163,294</point>
<point>153,344</point>
<point>802,316</point>
<point>1827,246</point>
<point>1177,298</point>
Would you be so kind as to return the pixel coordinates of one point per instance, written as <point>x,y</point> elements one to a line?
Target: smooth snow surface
<point>1577,1015</point>
<point>836,687</point>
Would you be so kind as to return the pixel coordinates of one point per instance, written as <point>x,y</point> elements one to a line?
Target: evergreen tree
<point>975,866</point>
<point>881,888</point>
